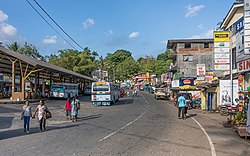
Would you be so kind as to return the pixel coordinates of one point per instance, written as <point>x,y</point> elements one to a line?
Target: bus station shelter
<point>23,68</point>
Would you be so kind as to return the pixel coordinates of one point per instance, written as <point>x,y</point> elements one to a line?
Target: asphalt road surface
<point>135,126</point>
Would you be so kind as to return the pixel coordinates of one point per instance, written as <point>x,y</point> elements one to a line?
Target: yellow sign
<point>221,36</point>
<point>187,87</point>
<point>147,75</point>
<point>100,83</point>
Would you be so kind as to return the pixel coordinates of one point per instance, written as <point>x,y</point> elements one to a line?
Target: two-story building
<point>191,60</point>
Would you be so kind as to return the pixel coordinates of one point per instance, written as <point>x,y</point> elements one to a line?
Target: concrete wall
<point>200,55</point>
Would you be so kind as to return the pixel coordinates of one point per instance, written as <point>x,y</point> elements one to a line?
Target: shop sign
<point>243,66</point>
<point>175,83</point>
<point>186,81</point>
<point>201,71</point>
<point>221,61</point>
<point>247,25</point>
<point>221,36</point>
<point>247,38</point>
<point>220,56</point>
<point>221,50</point>
<point>239,25</point>
<point>222,67</point>
<point>221,44</point>
<point>209,76</point>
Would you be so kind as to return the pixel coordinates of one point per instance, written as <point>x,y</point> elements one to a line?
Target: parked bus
<point>87,90</point>
<point>63,90</point>
<point>104,93</point>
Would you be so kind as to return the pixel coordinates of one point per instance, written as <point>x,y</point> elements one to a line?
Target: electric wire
<point>50,25</point>
<point>58,25</point>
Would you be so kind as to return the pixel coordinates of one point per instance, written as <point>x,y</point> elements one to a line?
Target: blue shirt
<point>181,101</point>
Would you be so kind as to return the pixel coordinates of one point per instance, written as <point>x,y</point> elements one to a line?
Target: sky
<point>139,26</point>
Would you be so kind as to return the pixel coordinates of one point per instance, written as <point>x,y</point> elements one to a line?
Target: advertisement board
<point>221,36</point>
<point>186,83</point>
<point>201,71</point>
<point>225,91</point>
<point>222,67</point>
<point>209,76</point>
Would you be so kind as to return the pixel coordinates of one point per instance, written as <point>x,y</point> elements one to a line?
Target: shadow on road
<point>124,102</point>
<point>19,132</point>
<point>9,110</point>
<point>89,117</point>
<point>190,115</point>
<point>5,122</point>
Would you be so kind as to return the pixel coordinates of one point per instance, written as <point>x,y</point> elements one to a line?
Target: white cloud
<point>7,30</point>
<point>50,40</point>
<point>88,23</point>
<point>3,17</point>
<point>134,34</point>
<point>109,33</point>
<point>207,34</point>
<point>193,10</point>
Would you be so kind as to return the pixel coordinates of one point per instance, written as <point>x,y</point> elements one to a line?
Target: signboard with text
<point>222,49</point>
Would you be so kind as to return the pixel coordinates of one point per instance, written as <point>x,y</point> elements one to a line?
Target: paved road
<point>140,126</point>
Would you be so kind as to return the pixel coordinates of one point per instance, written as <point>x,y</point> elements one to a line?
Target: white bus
<point>104,93</point>
<point>63,90</point>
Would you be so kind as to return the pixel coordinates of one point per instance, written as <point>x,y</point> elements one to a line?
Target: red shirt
<point>67,105</point>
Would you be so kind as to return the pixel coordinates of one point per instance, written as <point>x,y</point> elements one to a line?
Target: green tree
<point>14,46</point>
<point>126,69</point>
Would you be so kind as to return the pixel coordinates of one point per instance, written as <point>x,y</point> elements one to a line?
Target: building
<point>192,60</point>
<point>236,24</point>
<point>100,74</point>
<point>187,53</point>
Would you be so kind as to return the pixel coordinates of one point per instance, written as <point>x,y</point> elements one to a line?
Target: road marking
<point>130,123</point>
<point>206,134</point>
<point>113,133</point>
<point>208,138</point>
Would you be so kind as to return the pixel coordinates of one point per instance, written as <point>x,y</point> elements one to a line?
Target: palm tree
<point>14,46</point>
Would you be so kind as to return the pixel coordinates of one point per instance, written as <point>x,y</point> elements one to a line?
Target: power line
<point>58,25</point>
<point>50,25</point>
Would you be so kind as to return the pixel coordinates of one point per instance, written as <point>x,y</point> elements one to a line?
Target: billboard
<point>225,91</point>
<point>221,50</point>
<point>187,83</point>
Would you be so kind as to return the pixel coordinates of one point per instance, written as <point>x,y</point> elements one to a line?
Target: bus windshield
<point>100,88</point>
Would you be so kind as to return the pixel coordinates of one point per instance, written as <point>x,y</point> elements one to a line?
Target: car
<point>160,93</point>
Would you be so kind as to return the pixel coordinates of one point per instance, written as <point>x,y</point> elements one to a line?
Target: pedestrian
<point>41,110</point>
<point>75,106</point>
<point>25,116</point>
<point>68,108</point>
<point>181,106</point>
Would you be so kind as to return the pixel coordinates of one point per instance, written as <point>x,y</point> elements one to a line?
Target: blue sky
<point>139,26</point>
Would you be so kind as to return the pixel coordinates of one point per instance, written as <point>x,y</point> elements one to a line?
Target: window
<point>187,45</point>
<point>188,58</point>
<point>206,45</point>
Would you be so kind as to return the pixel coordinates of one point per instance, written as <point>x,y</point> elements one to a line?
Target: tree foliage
<point>120,64</point>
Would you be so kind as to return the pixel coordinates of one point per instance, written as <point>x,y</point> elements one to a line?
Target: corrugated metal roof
<point>41,64</point>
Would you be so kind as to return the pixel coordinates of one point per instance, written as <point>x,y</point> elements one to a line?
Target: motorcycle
<point>227,109</point>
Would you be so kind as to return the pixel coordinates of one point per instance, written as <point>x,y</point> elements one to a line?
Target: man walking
<point>181,107</point>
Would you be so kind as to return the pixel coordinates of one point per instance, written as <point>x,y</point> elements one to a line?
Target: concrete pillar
<point>13,79</point>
